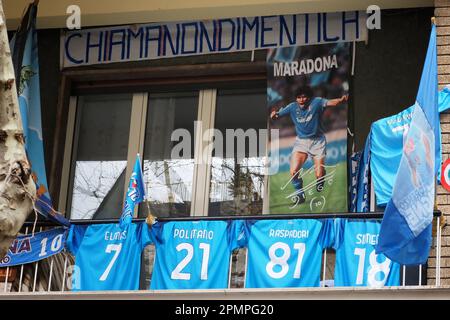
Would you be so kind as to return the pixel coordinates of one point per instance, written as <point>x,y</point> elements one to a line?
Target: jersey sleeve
<point>75,237</point>
<point>143,235</point>
<point>236,234</point>
<point>285,110</point>
<point>156,232</point>
<point>339,226</point>
<point>321,103</point>
<point>327,235</point>
<point>245,233</point>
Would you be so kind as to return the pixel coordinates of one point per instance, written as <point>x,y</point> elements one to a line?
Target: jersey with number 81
<point>357,264</point>
<point>285,253</point>
<point>107,257</point>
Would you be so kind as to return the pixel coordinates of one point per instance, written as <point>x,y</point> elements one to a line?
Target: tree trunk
<point>17,190</point>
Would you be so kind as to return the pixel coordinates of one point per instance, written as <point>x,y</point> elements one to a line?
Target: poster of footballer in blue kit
<point>307,97</point>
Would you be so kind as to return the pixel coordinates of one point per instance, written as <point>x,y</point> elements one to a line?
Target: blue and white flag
<point>31,248</point>
<point>405,235</point>
<point>26,65</point>
<point>355,159</point>
<point>135,194</point>
<point>363,192</point>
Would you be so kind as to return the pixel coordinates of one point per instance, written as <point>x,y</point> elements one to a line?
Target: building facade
<point>145,101</point>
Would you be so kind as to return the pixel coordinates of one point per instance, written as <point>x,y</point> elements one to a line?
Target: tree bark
<point>17,189</point>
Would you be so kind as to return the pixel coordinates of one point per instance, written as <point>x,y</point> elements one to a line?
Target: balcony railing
<point>54,273</point>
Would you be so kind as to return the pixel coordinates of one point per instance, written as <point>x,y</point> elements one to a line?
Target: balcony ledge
<point>354,293</point>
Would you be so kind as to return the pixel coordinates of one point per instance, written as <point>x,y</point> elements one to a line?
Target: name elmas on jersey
<point>305,66</point>
<point>111,236</point>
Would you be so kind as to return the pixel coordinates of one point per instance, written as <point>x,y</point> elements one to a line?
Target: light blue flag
<point>135,194</point>
<point>405,235</point>
<point>30,110</point>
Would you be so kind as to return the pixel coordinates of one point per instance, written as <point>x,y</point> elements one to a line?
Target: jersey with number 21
<point>192,254</point>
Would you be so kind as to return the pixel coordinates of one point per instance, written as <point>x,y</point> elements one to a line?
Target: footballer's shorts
<point>314,146</point>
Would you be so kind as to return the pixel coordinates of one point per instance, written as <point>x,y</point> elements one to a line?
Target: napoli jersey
<point>306,120</point>
<point>285,253</point>
<point>386,149</point>
<point>356,262</point>
<point>444,99</point>
<point>193,254</point>
<point>106,257</point>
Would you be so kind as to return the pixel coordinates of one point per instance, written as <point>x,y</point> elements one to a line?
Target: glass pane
<point>100,156</point>
<point>237,180</point>
<point>169,179</point>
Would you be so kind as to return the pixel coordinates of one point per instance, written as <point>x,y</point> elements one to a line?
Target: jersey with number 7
<point>356,261</point>
<point>285,253</point>
<point>107,257</point>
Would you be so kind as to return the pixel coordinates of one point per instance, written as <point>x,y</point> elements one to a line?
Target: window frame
<point>206,79</point>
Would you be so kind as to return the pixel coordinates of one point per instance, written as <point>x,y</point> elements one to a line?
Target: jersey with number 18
<point>193,254</point>
<point>356,261</point>
<point>107,257</point>
<point>285,253</point>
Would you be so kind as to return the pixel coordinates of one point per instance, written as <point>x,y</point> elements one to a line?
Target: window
<point>98,165</point>
<point>237,175</point>
<point>169,180</point>
<point>164,128</point>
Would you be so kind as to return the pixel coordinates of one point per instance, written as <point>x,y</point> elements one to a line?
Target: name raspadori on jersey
<point>282,233</point>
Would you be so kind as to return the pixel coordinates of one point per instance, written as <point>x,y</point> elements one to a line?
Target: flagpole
<point>438,219</point>
<point>151,219</point>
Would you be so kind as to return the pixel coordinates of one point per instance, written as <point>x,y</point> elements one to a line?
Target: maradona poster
<point>307,102</point>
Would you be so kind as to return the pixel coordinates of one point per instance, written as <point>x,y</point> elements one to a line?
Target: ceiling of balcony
<point>52,13</point>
